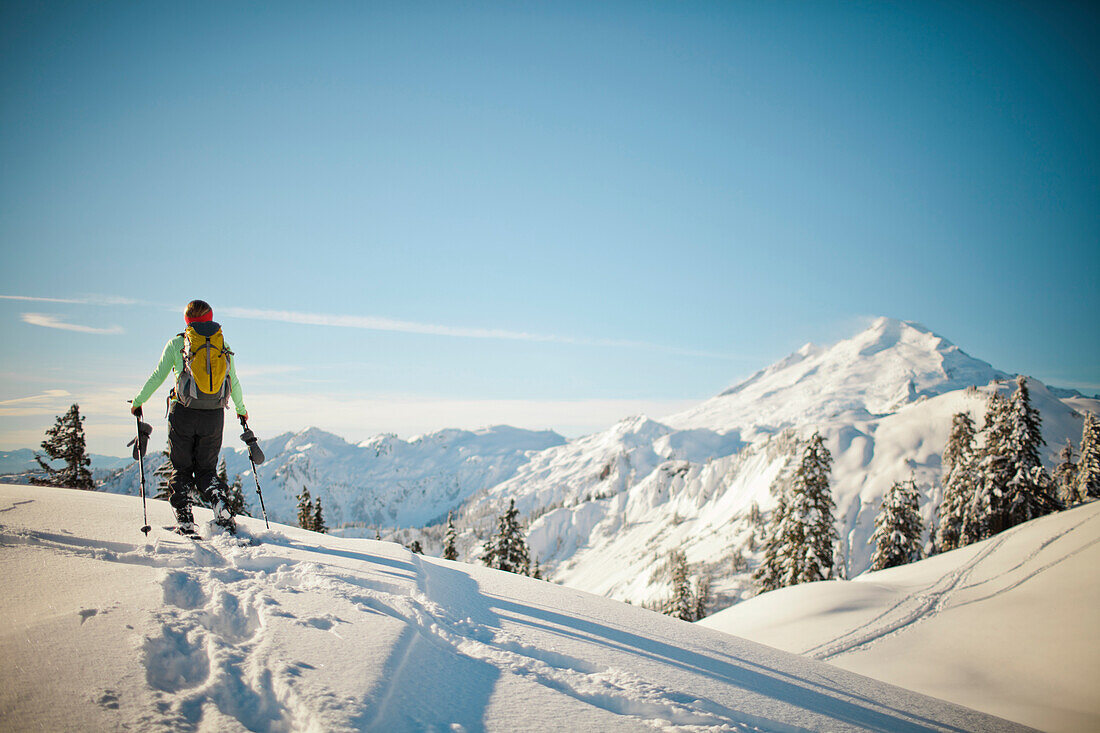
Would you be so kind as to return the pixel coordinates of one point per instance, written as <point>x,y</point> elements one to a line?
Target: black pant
<point>194,442</point>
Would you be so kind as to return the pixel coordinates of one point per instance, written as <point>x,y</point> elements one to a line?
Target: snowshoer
<point>206,379</point>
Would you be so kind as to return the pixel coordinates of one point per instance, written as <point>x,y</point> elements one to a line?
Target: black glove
<point>141,441</point>
<point>254,453</point>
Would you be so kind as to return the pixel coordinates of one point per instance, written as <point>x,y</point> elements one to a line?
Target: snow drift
<point>1007,625</point>
<point>108,630</point>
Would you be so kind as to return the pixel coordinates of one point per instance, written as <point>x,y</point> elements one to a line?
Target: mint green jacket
<point>172,361</point>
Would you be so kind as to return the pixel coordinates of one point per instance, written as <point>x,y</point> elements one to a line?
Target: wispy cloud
<point>85,300</point>
<point>49,394</point>
<point>48,321</point>
<point>381,323</point>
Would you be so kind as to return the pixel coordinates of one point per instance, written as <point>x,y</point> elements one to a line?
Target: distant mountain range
<point>604,510</point>
<point>22,460</point>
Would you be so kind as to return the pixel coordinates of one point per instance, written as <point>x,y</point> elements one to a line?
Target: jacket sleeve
<point>235,387</point>
<point>169,360</point>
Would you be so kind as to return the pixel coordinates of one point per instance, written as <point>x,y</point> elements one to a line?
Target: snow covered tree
<point>450,552</point>
<point>507,549</point>
<point>305,509</point>
<point>802,534</point>
<point>814,499</point>
<point>415,547</point>
<point>985,513</point>
<point>317,521</point>
<point>1088,465</point>
<point>898,527</point>
<point>959,477</point>
<point>682,604</point>
<point>65,442</point>
<point>702,597</point>
<point>769,575</point>
<point>162,474</point>
<point>235,498</point>
<point>1064,476</point>
<point>1028,491</point>
<point>536,573</point>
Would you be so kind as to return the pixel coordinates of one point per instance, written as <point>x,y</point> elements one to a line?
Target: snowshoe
<point>185,530</point>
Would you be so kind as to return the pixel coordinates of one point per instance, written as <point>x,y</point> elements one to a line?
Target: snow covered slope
<point>605,510</point>
<point>384,481</point>
<point>107,630</point>
<point>1008,625</point>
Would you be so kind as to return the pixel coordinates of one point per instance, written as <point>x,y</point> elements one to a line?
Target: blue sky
<point>543,214</point>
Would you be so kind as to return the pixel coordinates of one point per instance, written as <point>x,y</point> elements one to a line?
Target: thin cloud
<point>49,394</point>
<point>46,320</point>
<point>87,300</point>
<point>380,323</point>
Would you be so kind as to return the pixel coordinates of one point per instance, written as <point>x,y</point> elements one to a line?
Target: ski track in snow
<point>925,604</point>
<point>208,663</point>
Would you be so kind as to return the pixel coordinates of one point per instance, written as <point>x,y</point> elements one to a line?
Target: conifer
<point>1064,476</point>
<point>702,597</point>
<point>235,498</point>
<point>1088,465</point>
<point>305,509</point>
<point>985,513</point>
<point>812,491</point>
<point>801,537</point>
<point>898,527</point>
<point>317,523</point>
<point>958,484</point>
<point>450,552</point>
<point>416,548</point>
<point>768,575</point>
<point>507,549</point>
<point>65,442</point>
<point>682,604</point>
<point>1028,493</point>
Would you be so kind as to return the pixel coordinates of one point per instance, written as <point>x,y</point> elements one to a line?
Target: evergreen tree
<point>1028,491</point>
<point>986,513</point>
<point>163,473</point>
<point>958,484</point>
<point>682,604</point>
<point>450,552</point>
<point>769,574</point>
<point>801,537</point>
<point>235,498</point>
<point>702,597</point>
<point>1064,477</point>
<point>305,509</point>
<point>415,547</point>
<point>507,549</point>
<point>1088,465</point>
<point>65,442</point>
<point>898,527</point>
<point>537,572</point>
<point>812,490</point>
<point>318,521</point>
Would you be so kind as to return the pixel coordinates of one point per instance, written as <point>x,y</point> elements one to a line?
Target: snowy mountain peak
<point>887,365</point>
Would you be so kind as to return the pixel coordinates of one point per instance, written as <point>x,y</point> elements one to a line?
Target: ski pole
<point>139,449</point>
<point>250,440</point>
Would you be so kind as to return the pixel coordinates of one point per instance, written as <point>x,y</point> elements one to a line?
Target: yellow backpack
<point>204,382</point>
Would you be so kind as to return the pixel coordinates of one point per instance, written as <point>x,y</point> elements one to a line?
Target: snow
<point>106,630</point>
<point>883,400</point>
<point>1007,626</point>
